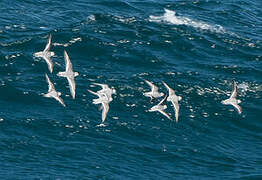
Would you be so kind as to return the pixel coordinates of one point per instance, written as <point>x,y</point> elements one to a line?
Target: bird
<point>232,99</point>
<point>47,54</point>
<point>101,97</point>
<point>154,91</point>
<point>173,98</point>
<point>105,89</point>
<point>69,74</point>
<point>52,93</point>
<point>104,100</point>
<point>160,108</point>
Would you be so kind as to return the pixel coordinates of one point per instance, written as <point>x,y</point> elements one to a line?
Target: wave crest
<point>171,17</point>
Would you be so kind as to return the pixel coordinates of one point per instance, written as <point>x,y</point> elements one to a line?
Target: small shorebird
<point>173,98</point>
<point>69,74</point>
<point>232,99</point>
<point>104,100</point>
<point>47,54</point>
<point>154,91</point>
<point>160,108</point>
<point>105,90</point>
<point>52,93</point>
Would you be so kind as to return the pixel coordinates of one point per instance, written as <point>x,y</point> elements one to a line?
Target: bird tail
<point>61,74</point>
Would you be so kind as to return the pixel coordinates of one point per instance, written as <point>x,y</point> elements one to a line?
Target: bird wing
<point>152,86</point>
<point>72,86</point>
<point>103,86</point>
<point>164,113</point>
<point>176,108</point>
<point>60,100</point>
<point>238,108</point>
<point>163,100</point>
<point>170,90</point>
<point>49,63</point>
<point>50,84</point>
<point>92,92</point>
<point>105,111</point>
<point>49,43</point>
<point>234,91</point>
<point>68,63</point>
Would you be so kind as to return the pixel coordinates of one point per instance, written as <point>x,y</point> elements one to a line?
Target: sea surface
<point>197,47</point>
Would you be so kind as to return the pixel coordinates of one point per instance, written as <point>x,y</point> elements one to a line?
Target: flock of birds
<point>105,94</point>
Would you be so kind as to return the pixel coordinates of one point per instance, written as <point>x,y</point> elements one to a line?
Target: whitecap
<point>171,17</point>
<point>243,86</point>
<point>91,18</point>
<point>72,41</point>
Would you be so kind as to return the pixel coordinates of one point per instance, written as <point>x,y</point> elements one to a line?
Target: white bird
<point>154,91</point>
<point>47,54</point>
<point>104,100</point>
<point>52,93</point>
<point>232,99</point>
<point>173,98</point>
<point>69,74</point>
<point>102,97</point>
<point>160,108</point>
<point>105,90</point>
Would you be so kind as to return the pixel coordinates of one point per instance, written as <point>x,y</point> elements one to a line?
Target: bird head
<point>113,91</point>
<point>76,74</point>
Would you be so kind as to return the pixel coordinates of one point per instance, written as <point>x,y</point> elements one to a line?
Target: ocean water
<point>197,47</point>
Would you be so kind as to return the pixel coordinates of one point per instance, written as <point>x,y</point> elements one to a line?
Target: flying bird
<point>52,93</point>
<point>173,98</point>
<point>105,90</point>
<point>154,91</point>
<point>104,100</point>
<point>69,74</point>
<point>232,99</point>
<point>47,54</point>
<point>160,108</point>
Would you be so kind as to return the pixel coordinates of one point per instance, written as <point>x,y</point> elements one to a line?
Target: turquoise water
<point>197,47</point>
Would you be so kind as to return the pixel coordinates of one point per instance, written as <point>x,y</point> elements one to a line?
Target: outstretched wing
<point>103,86</point>
<point>176,108</point>
<point>238,108</point>
<point>67,62</point>
<point>234,91</point>
<point>165,114</point>
<point>92,92</point>
<point>49,63</point>
<point>105,111</point>
<point>49,43</point>
<point>163,100</point>
<point>72,86</point>
<point>152,86</point>
<point>170,91</point>
<point>50,84</point>
<point>60,100</point>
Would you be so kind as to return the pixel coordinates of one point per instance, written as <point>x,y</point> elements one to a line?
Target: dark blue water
<point>197,47</point>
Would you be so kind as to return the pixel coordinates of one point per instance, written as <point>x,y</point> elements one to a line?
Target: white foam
<point>72,41</point>
<point>244,86</point>
<point>91,18</point>
<point>171,17</point>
